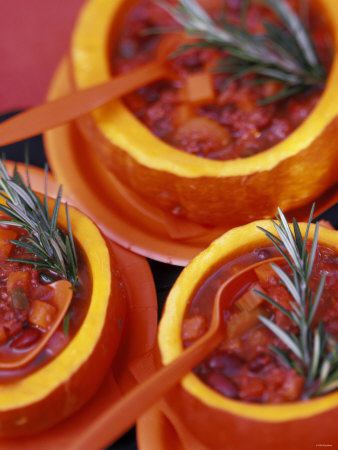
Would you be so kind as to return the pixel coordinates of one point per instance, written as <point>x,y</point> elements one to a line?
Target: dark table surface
<point>164,274</point>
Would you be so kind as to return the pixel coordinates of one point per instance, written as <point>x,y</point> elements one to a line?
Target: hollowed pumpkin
<point>220,422</point>
<point>290,174</point>
<point>56,390</point>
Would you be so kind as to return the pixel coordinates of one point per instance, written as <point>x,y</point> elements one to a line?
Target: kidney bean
<point>201,369</point>
<point>128,48</point>
<point>27,338</point>
<point>258,363</point>
<point>222,384</point>
<point>227,363</point>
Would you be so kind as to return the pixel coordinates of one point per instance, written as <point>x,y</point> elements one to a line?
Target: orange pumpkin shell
<point>289,175</point>
<point>220,422</point>
<point>59,388</point>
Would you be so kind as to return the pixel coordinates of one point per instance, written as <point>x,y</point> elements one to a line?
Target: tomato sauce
<point>26,307</point>
<point>228,122</point>
<point>244,367</point>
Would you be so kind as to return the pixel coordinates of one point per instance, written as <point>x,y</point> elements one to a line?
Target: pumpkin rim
<point>236,241</point>
<point>39,384</point>
<point>90,65</point>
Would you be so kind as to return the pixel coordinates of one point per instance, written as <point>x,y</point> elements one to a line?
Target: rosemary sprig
<point>53,250</point>
<point>284,52</point>
<point>313,353</point>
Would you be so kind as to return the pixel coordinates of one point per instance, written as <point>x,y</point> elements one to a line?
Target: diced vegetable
<point>242,322</point>
<point>265,273</point>
<point>19,298</point>
<point>251,388</point>
<point>199,88</point>
<point>281,295</point>
<point>257,341</point>
<point>293,386</point>
<point>193,327</point>
<point>18,279</point>
<point>245,102</point>
<point>233,345</point>
<point>250,299</point>
<point>271,88</point>
<point>5,245</point>
<point>201,136</point>
<point>41,314</point>
<point>183,112</point>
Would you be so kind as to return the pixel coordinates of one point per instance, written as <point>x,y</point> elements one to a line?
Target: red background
<point>34,34</point>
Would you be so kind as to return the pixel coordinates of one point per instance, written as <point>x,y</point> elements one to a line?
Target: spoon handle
<point>123,414</point>
<point>59,111</point>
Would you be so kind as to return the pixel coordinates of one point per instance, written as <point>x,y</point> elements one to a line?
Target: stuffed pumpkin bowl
<point>238,393</point>
<point>290,173</point>
<point>40,390</point>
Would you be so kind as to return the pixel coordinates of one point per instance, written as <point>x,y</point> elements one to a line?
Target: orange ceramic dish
<point>290,174</point>
<point>221,422</point>
<point>55,390</point>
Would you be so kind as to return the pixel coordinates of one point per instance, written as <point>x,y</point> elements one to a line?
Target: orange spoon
<point>123,414</point>
<point>63,294</point>
<point>64,109</point>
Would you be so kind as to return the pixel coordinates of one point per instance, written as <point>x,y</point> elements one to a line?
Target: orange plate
<point>123,215</point>
<point>161,429</point>
<point>131,360</point>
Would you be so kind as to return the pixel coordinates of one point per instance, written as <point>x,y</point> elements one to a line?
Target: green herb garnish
<point>283,52</point>
<point>313,353</point>
<point>53,249</point>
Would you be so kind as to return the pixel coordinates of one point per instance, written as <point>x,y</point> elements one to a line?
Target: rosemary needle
<point>283,52</point>
<point>52,249</point>
<point>312,352</point>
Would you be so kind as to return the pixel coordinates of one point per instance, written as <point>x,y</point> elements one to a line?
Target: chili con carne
<point>26,306</point>
<point>206,114</point>
<point>244,367</point>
